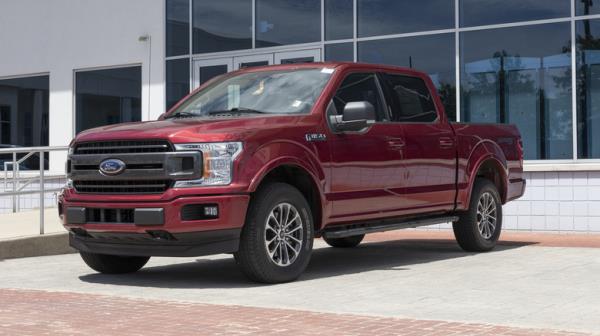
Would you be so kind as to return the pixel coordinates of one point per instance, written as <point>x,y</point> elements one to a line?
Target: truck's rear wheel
<point>345,242</point>
<point>478,229</point>
<point>111,264</point>
<point>277,238</point>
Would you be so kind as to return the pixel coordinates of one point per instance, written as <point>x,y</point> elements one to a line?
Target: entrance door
<point>204,70</point>
<point>300,56</point>
<point>241,62</point>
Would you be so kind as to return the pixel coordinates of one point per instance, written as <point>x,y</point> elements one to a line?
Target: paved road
<point>522,286</point>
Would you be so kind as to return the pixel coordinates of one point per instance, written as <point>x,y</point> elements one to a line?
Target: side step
<point>380,226</point>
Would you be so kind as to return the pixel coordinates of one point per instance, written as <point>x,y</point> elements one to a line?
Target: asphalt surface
<point>520,285</point>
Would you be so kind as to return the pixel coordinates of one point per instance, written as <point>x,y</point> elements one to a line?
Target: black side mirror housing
<point>357,117</point>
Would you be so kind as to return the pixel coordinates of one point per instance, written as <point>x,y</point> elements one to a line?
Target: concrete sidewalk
<point>432,283</point>
<point>20,235</point>
<point>27,223</point>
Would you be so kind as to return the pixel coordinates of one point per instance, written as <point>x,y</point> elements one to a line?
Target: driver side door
<point>366,167</point>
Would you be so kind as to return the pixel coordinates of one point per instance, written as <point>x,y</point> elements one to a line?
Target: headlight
<point>217,159</point>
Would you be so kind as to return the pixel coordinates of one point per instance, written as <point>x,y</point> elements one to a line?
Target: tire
<point>111,264</point>
<point>345,242</point>
<point>266,262</point>
<point>467,230</point>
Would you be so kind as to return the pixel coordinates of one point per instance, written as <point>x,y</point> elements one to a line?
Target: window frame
<point>143,96</point>
<point>391,101</point>
<point>380,91</point>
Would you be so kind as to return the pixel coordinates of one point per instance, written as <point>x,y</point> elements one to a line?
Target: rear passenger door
<point>366,174</point>
<point>429,145</point>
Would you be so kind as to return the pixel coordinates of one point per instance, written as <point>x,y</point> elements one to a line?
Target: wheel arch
<point>298,175</point>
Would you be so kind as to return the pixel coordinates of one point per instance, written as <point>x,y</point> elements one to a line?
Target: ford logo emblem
<point>112,167</point>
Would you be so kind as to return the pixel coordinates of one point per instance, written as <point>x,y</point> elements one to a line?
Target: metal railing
<point>14,183</point>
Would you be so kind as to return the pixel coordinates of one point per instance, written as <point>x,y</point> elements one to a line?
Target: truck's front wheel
<point>478,229</point>
<point>277,238</point>
<point>112,264</point>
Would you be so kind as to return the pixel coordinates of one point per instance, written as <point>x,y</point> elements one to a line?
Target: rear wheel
<point>111,264</point>
<point>345,242</point>
<point>478,229</point>
<point>277,239</point>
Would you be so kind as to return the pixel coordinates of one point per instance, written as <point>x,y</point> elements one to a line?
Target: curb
<point>35,246</point>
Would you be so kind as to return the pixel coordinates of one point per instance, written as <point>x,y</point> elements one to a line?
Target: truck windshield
<point>268,92</point>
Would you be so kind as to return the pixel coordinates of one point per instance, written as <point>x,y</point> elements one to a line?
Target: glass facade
<point>24,107</point>
<point>178,27</point>
<point>588,88</point>
<point>339,19</point>
<point>523,78</point>
<point>383,17</point>
<point>105,97</point>
<point>488,12</point>
<point>221,25</point>
<point>433,54</point>
<point>283,22</point>
<point>178,80</point>
<point>512,59</point>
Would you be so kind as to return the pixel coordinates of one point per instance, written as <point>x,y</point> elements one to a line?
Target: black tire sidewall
<point>482,187</point>
<point>254,233</point>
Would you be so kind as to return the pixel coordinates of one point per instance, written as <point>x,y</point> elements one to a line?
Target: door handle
<point>446,142</point>
<point>396,142</point>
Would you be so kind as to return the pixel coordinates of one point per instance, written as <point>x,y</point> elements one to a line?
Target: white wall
<point>60,36</point>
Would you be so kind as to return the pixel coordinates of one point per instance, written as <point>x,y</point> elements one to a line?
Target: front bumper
<point>167,236</point>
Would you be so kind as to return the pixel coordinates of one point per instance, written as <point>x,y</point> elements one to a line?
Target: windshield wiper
<point>237,110</point>
<point>181,114</point>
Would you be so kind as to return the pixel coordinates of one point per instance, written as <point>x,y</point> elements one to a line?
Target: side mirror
<point>357,116</point>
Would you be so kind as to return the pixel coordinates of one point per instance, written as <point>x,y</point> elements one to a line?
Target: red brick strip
<point>507,238</point>
<point>28,312</point>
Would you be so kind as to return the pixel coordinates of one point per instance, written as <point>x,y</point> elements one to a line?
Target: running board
<point>380,226</point>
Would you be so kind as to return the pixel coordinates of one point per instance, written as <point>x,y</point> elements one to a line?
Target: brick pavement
<point>29,312</point>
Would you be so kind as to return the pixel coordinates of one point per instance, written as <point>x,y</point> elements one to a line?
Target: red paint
<point>393,169</point>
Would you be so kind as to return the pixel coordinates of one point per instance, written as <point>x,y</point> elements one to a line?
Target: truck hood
<point>184,130</point>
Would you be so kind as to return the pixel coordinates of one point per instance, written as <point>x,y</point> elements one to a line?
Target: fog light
<point>211,211</point>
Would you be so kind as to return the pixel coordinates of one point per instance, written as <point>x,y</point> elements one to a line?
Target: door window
<point>360,87</point>
<point>410,99</point>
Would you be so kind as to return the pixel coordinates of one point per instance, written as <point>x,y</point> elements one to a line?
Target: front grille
<point>96,215</point>
<point>122,187</point>
<point>123,146</point>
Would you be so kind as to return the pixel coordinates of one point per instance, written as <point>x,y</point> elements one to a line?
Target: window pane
<point>478,12</point>
<point>588,89</point>
<point>178,27</point>
<point>106,97</point>
<point>587,7</point>
<point>178,80</point>
<point>356,88</point>
<point>222,25</point>
<point>23,116</point>
<point>411,100</point>
<point>341,52</point>
<point>338,19</point>
<point>432,54</point>
<point>522,76</point>
<point>380,17</point>
<point>280,22</point>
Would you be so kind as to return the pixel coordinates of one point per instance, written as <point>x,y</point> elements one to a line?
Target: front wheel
<point>277,239</point>
<point>112,264</point>
<point>478,229</point>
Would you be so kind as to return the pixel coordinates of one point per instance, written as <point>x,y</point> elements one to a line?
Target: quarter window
<point>359,87</point>
<point>410,99</point>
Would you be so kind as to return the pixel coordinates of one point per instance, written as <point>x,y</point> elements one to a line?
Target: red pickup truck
<point>261,161</point>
